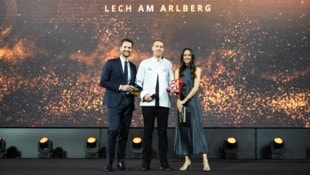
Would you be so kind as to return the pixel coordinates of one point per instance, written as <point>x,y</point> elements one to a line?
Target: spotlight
<point>136,148</point>
<point>2,148</point>
<point>45,147</point>
<point>230,148</point>
<point>59,153</point>
<point>12,152</point>
<point>91,148</point>
<point>277,148</point>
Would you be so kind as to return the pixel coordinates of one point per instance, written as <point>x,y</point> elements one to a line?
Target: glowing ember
<point>254,56</point>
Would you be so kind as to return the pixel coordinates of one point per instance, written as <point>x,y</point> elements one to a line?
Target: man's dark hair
<point>192,65</point>
<point>126,40</point>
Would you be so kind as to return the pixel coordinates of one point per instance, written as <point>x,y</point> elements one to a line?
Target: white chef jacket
<point>147,77</point>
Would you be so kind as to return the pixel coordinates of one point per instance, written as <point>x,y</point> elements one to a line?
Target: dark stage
<point>96,166</point>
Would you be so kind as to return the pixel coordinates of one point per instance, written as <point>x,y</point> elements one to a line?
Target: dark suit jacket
<point>111,79</point>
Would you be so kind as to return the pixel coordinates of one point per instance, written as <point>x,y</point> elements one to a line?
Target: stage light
<point>12,152</point>
<point>45,147</point>
<point>91,148</point>
<point>136,148</point>
<point>59,153</point>
<point>230,148</point>
<point>2,148</point>
<point>277,148</point>
<point>137,142</point>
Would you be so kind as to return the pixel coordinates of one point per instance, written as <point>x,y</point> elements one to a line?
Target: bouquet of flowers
<point>175,86</point>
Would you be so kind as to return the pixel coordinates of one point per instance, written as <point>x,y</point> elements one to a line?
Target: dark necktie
<point>157,93</point>
<point>126,73</point>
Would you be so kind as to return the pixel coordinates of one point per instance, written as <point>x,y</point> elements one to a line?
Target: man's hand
<point>128,88</point>
<point>148,97</point>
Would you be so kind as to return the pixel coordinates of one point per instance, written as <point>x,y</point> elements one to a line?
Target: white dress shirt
<point>147,77</point>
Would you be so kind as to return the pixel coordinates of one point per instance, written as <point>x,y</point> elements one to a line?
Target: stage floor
<point>96,166</point>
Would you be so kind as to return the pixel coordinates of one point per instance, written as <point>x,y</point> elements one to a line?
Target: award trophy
<point>184,118</point>
<point>137,89</point>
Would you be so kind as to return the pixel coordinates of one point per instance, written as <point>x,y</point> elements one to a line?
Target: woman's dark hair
<point>191,64</point>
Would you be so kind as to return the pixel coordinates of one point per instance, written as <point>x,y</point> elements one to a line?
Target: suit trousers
<point>149,115</point>
<point>119,123</point>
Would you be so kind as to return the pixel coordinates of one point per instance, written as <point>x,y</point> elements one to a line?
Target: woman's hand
<point>180,105</point>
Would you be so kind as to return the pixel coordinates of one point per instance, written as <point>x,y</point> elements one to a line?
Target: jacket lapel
<point>119,66</point>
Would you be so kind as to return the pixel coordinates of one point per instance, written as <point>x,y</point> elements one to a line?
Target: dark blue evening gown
<point>190,139</point>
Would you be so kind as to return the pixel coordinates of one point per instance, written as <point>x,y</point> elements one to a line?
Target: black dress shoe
<point>108,168</point>
<point>145,168</point>
<point>121,166</point>
<point>165,168</point>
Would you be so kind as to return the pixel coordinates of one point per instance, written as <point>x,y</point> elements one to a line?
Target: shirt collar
<point>123,59</point>
<point>155,59</point>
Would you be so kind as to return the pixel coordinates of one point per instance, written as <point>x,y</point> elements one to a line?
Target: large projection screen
<point>254,55</point>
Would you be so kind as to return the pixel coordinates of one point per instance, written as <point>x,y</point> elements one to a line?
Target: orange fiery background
<point>254,56</point>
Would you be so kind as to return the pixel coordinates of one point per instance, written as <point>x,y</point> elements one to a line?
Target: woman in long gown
<point>190,136</point>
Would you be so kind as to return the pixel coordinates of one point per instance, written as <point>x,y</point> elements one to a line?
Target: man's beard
<point>126,54</point>
<point>158,54</point>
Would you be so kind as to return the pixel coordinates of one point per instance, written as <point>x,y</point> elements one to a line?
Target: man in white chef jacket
<point>154,75</point>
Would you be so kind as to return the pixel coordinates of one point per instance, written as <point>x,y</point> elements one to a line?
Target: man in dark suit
<point>115,77</point>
